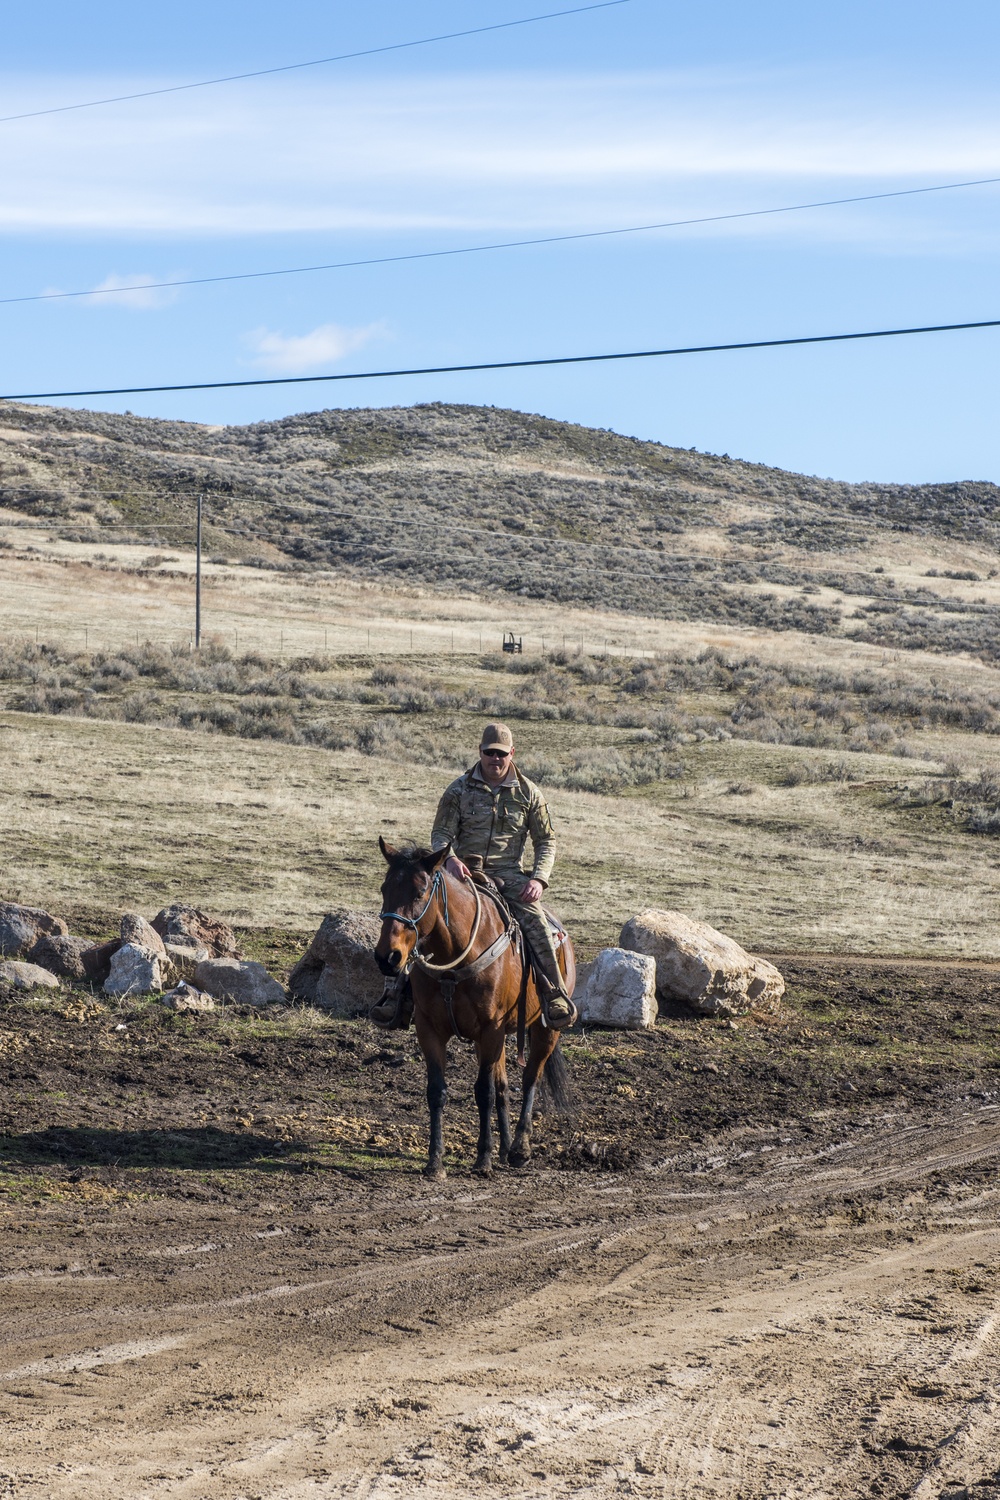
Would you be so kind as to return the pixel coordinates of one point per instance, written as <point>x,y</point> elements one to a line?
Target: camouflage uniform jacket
<point>476,818</point>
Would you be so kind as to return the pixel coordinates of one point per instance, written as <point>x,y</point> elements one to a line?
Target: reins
<point>453,971</point>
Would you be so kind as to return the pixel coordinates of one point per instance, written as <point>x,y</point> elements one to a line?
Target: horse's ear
<point>432,862</point>
<point>388,850</point>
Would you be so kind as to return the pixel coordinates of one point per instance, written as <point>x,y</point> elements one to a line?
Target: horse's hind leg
<point>543,1043</point>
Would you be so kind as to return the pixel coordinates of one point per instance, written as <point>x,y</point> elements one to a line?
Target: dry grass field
<point>121,816</point>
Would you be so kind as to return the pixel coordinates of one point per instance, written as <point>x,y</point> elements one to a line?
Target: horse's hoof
<point>483,1166</point>
<point>435,1174</point>
<point>519,1158</point>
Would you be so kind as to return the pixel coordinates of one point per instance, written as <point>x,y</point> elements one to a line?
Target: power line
<point>550,239</point>
<point>509,364</point>
<point>316,62</point>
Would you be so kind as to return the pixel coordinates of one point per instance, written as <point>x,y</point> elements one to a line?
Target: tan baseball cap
<point>496,737</point>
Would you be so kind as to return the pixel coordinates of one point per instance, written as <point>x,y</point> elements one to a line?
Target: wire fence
<point>293,639</point>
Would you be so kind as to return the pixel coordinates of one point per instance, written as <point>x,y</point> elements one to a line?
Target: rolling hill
<point>480,500</point>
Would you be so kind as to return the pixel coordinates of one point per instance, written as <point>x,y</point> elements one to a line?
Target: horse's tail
<point>556,1077</point>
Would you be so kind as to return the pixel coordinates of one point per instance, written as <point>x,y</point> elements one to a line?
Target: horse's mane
<point>408,856</point>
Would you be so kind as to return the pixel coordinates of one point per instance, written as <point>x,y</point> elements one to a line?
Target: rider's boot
<point>394,1011</point>
<point>557,1008</point>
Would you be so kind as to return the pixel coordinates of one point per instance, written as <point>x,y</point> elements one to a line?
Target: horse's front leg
<point>435,1050</point>
<point>485,1095</point>
<point>543,1043</point>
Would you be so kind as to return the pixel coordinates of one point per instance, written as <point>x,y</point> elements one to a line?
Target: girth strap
<point>447,982</point>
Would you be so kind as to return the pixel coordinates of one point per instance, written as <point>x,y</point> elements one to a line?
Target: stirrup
<point>547,992</point>
<point>559,1023</point>
<point>399,1018</point>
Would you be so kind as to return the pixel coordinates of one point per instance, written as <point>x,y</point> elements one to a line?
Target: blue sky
<point>642,112</point>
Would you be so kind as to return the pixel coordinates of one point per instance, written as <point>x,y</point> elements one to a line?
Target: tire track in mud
<point>637,1373</point>
<point>788,1182</point>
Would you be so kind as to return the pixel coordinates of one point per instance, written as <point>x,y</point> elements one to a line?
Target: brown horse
<point>435,929</point>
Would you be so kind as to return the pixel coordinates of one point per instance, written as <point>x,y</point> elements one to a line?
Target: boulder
<point>22,926</point>
<point>184,997</point>
<point>184,959</point>
<point>60,955</point>
<point>620,991</point>
<point>97,960</point>
<point>141,934</point>
<point>134,971</point>
<point>190,928</point>
<point>26,976</point>
<point>338,971</point>
<point>234,979</point>
<point>702,967</point>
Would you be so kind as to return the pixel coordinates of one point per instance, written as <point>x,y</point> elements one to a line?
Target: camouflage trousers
<point>536,929</point>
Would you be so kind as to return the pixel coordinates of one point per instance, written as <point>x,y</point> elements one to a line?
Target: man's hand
<point>455,867</point>
<point>532,892</point>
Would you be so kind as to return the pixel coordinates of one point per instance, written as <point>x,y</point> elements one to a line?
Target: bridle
<point>452,974</point>
<point>438,886</point>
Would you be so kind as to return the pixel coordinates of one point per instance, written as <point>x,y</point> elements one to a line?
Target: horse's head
<point>407,901</point>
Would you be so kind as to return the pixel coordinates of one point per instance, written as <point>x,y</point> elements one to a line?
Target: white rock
<point>26,976</point>
<point>620,991</point>
<point>702,967</point>
<point>134,971</point>
<point>240,980</point>
<point>186,998</point>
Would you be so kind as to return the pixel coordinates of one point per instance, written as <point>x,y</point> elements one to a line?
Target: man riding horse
<point>491,812</point>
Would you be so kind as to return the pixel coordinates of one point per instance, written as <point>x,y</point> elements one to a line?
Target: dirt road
<point>802,1305</point>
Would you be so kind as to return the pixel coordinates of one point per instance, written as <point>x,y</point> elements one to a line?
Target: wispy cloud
<point>477,153</point>
<point>131,291</point>
<point>293,354</point>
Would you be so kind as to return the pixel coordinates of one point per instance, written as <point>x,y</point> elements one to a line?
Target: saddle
<point>400,989</point>
<point>494,891</point>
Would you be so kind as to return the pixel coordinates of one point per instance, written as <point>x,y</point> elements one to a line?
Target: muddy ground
<point>754,1259</point>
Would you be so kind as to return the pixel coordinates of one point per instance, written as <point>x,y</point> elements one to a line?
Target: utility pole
<point>197,583</point>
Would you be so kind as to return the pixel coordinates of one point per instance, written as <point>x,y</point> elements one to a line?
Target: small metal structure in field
<point>512,644</point>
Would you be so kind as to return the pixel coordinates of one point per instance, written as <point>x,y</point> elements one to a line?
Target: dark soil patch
<point>236,1103</point>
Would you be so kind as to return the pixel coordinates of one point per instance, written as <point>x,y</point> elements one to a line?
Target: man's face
<point>494,764</point>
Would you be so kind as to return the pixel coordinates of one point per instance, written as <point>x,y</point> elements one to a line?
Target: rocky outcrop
<point>702,967</point>
<point>338,972</point>
<point>241,981</point>
<point>60,955</point>
<point>134,970</point>
<point>141,934</point>
<point>620,991</point>
<point>187,927</point>
<point>22,976</point>
<point>184,997</point>
<point>22,926</point>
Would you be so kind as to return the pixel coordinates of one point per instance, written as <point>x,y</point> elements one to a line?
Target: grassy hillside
<point>476,500</point>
